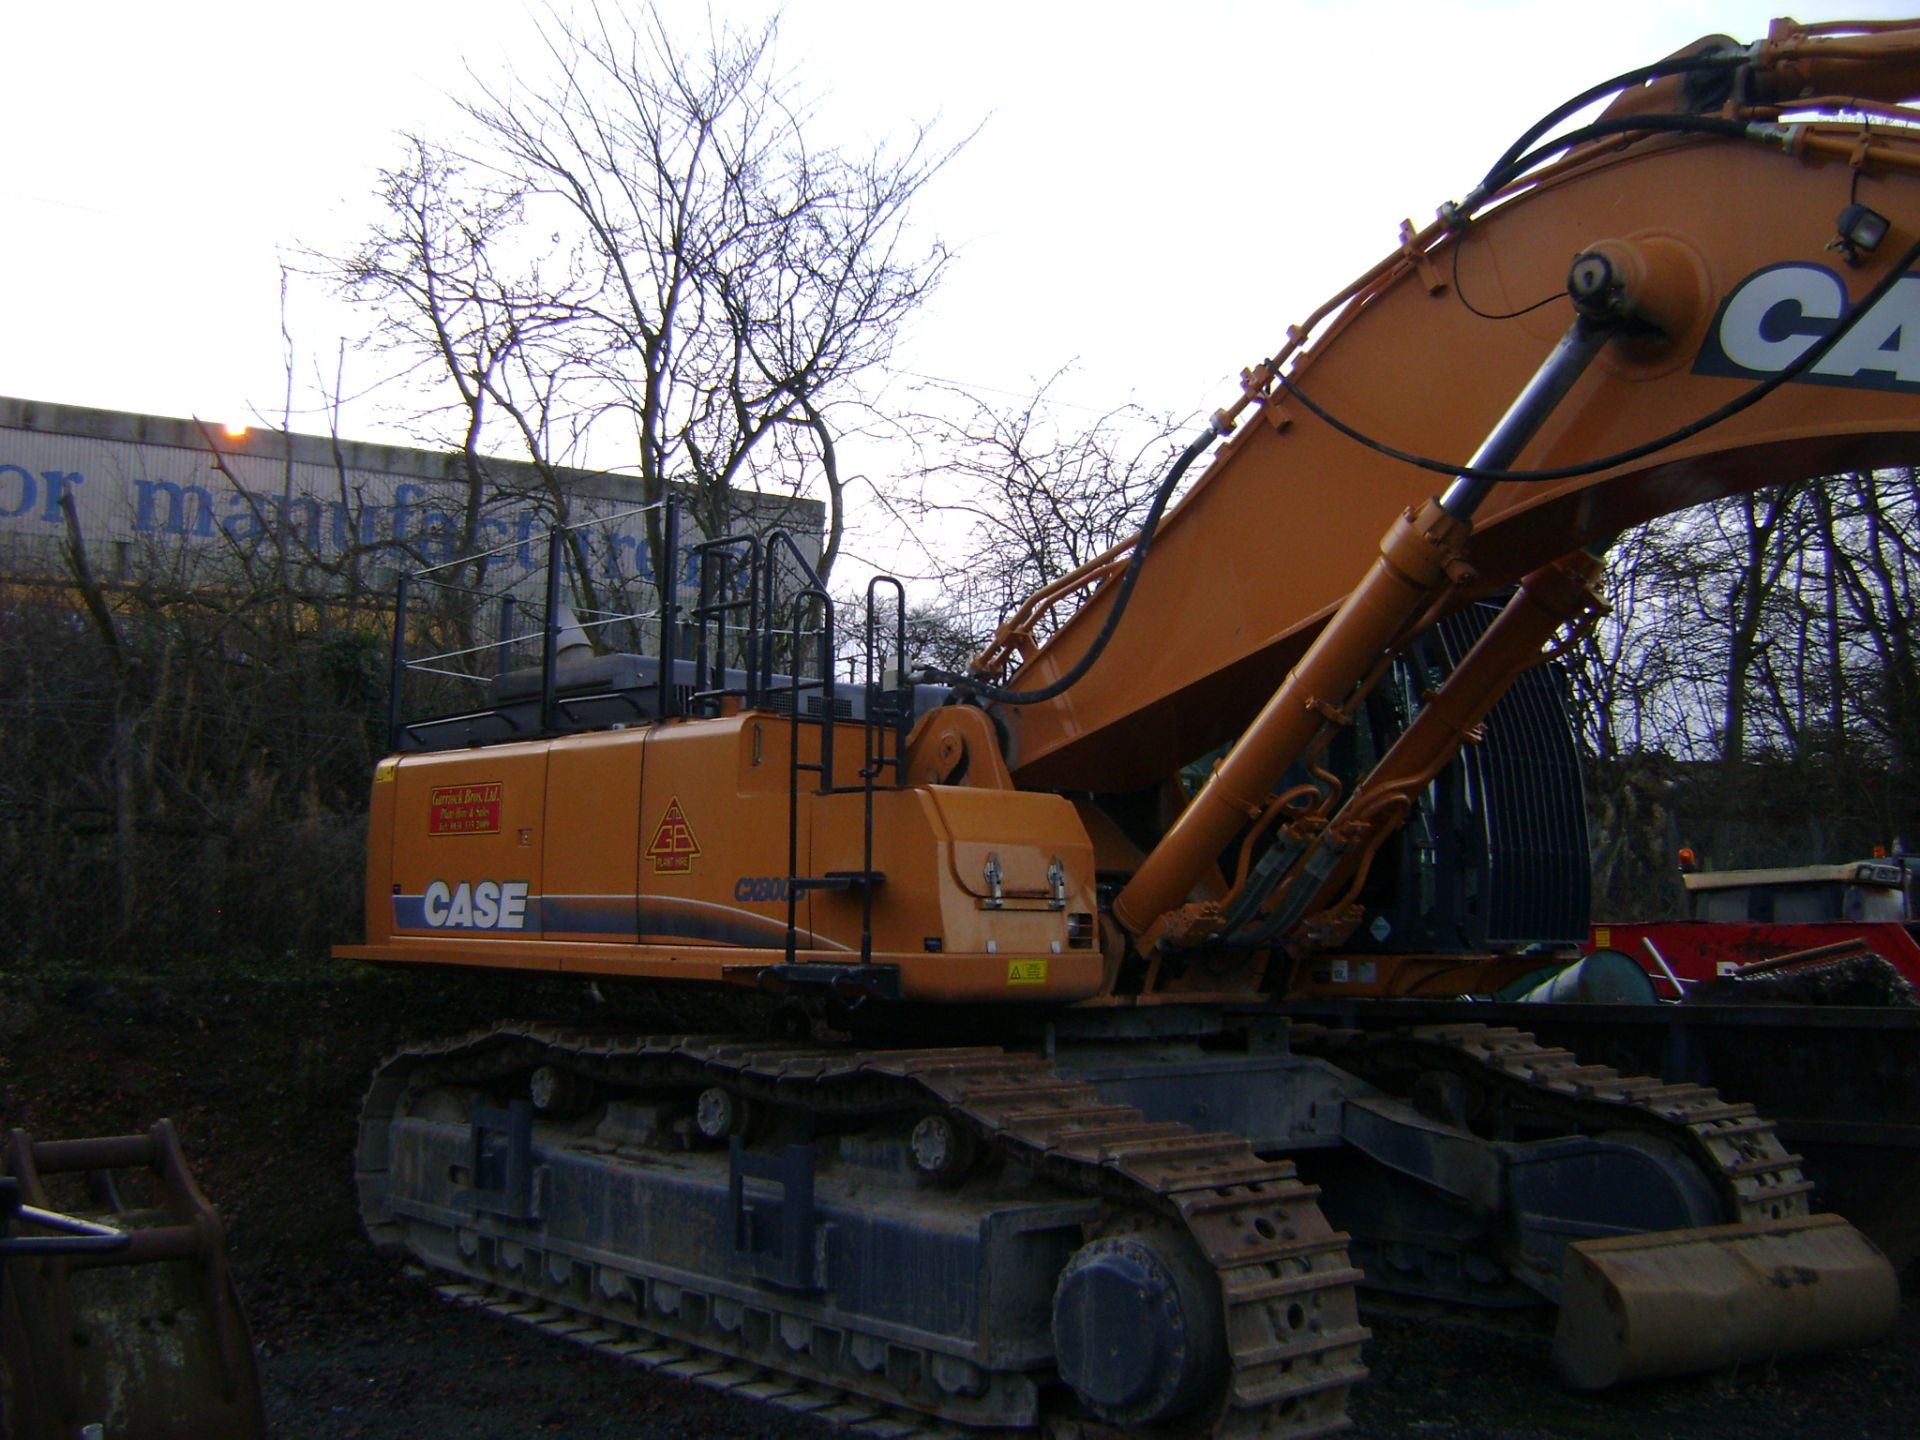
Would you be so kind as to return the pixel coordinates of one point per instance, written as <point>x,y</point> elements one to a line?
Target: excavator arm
<point>1708,289</point>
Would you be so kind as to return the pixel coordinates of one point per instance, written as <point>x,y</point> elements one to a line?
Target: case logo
<point>487,905</point>
<point>464,809</point>
<point>752,889</point>
<point>1776,315</point>
<point>673,848</point>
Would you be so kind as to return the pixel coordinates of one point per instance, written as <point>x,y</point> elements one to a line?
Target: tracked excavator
<point>1034,1135</point>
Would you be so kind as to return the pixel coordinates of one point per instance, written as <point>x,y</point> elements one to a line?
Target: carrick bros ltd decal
<point>1775,315</point>
<point>464,809</point>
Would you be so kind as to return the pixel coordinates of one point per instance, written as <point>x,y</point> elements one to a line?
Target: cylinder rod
<point>1584,339</point>
<point>1419,558</point>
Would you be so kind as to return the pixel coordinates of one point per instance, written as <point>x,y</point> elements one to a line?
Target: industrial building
<point>153,494</point>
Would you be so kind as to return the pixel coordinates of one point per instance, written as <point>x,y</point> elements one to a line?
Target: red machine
<point>1740,919</point>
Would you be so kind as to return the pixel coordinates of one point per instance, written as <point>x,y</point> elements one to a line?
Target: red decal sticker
<point>464,809</point>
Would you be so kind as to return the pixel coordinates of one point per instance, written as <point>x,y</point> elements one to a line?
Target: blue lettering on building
<point>19,488</point>
<point>419,523</point>
<point>10,477</point>
<point>170,509</point>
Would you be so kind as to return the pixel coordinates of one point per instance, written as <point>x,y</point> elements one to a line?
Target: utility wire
<point>1753,396</point>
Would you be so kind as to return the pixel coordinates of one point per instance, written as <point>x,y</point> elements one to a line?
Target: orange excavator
<point>1033,1130</point>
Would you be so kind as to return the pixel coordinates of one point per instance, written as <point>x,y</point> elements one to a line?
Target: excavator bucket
<point>141,1340</point>
<point>1673,1302</point>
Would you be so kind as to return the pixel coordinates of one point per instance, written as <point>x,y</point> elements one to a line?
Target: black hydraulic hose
<point>1745,401</point>
<point>1085,663</point>
<point>1659,70</point>
<point>1621,125</point>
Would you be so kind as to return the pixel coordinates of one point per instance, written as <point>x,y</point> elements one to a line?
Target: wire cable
<point>1460,294</point>
<point>1753,396</point>
<point>1511,168</point>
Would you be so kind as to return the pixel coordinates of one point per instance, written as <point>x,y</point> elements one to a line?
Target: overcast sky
<point>1156,190</point>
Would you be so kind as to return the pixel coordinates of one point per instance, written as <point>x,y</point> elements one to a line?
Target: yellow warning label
<point>1026,972</point>
<point>1602,936</point>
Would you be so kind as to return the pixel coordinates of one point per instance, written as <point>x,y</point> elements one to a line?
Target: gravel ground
<point>263,1079</point>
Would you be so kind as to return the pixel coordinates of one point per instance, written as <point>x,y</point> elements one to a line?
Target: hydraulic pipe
<point>1420,556</point>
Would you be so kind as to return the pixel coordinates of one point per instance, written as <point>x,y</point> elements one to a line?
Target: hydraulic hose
<point>1505,175</point>
<point>1660,70</point>
<point>989,691</point>
<point>1753,396</point>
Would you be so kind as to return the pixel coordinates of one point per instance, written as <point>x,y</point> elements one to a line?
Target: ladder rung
<point>839,880</point>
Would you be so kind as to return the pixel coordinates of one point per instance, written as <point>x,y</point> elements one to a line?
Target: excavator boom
<point>1737,222</point>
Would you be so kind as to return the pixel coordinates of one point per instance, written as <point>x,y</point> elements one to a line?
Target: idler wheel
<point>1136,1328</point>
<point>940,1148</point>
<point>719,1113</point>
<point>559,1092</point>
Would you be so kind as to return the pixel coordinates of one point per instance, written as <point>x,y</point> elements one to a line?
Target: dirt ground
<point>263,1077</point>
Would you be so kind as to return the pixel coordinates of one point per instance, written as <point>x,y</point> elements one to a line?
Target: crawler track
<point>710,1372</point>
<point>1286,1287</point>
<point>1737,1148</point>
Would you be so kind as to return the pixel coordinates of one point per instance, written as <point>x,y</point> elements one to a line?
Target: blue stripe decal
<point>622,917</point>
<point>723,924</point>
<point>591,915</point>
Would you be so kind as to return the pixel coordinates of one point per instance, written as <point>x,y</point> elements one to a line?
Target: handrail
<point>876,759</point>
<point>712,558</point>
<point>807,594</point>
<point>397,673</point>
<point>777,540</point>
<point>667,580</point>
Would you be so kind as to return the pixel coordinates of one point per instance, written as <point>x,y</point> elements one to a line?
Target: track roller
<point>1137,1329</point>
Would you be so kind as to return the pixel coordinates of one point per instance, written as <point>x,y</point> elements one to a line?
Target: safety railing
<point>731,620</point>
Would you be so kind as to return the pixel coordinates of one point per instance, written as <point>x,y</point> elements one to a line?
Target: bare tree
<point>450,307</point>
<point>1032,498</point>
<point>642,252</point>
<point>1761,660</point>
<point>929,632</point>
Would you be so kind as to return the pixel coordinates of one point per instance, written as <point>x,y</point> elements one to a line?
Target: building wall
<point>150,490</point>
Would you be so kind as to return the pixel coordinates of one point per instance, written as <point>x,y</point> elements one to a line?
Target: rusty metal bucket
<point>1677,1301</point>
<point>146,1340</point>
